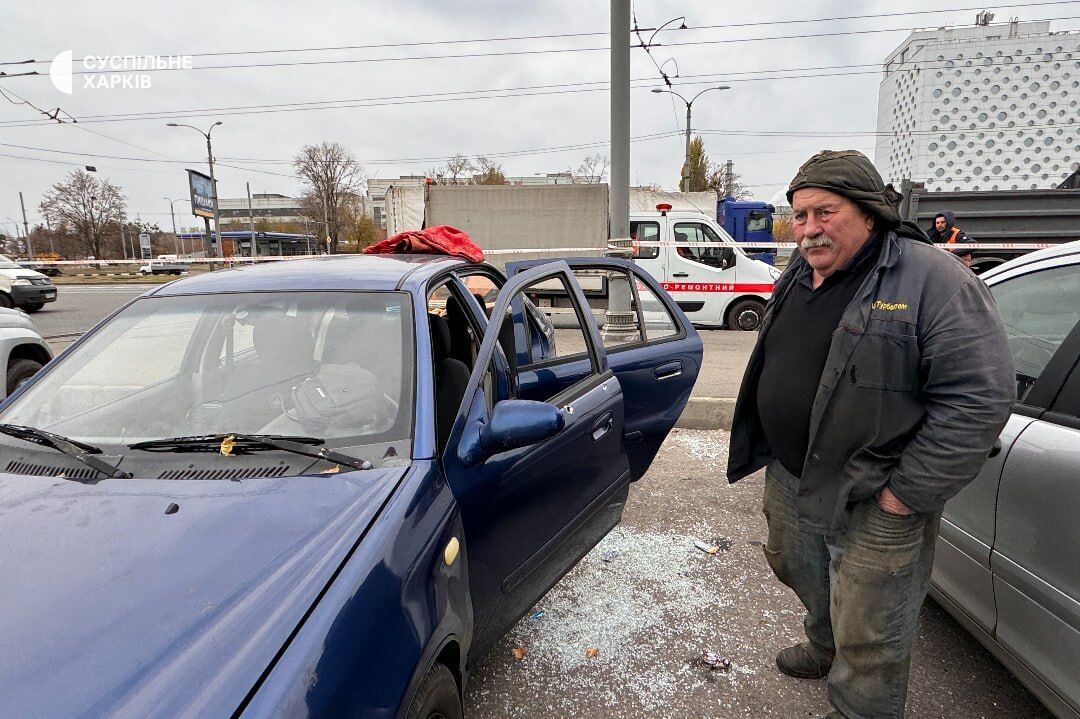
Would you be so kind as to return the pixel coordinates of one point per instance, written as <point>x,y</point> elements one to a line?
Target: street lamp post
<point>172,213</point>
<point>213,180</point>
<point>684,185</point>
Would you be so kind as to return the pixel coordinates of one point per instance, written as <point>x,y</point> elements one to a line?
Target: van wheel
<point>20,371</point>
<point>436,697</point>
<point>5,300</point>
<point>746,315</point>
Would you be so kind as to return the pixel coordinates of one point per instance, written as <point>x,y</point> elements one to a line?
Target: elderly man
<point>880,379</point>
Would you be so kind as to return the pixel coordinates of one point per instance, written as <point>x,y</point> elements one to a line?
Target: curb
<point>707,413</point>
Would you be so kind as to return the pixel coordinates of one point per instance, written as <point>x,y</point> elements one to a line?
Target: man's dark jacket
<point>918,383</point>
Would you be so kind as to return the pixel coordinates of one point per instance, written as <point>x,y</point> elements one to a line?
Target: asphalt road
<point>653,610</point>
<point>661,603</point>
<point>80,307</point>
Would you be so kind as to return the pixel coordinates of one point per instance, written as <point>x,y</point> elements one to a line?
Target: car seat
<point>451,379</point>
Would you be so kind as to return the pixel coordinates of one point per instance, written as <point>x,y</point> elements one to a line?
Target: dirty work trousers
<point>862,590</point>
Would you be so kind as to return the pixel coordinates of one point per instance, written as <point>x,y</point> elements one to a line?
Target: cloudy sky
<point>467,76</point>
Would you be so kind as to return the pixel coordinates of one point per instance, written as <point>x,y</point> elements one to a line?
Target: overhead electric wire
<point>511,53</point>
<point>557,36</point>
<point>221,163</point>
<point>798,134</point>
<point>760,75</point>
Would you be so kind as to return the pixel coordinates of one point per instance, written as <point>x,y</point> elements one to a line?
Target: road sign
<point>144,246</point>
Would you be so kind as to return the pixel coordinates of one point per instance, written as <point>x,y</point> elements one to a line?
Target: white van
<point>706,272</point>
<point>23,288</point>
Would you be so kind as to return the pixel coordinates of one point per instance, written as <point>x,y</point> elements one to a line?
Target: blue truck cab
<point>748,221</point>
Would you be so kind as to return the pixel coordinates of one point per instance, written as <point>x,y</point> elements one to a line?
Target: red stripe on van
<point>717,287</point>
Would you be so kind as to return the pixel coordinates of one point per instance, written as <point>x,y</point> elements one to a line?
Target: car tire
<point>19,371</point>
<point>746,315</point>
<point>5,300</point>
<point>436,697</point>
<point>33,306</point>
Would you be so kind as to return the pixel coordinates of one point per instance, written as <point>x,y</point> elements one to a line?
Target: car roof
<point>1068,252</point>
<point>333,272</point>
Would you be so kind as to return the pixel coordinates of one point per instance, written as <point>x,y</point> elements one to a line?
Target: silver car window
<point>1039,310</point>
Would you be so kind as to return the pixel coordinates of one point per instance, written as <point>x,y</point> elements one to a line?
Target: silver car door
<point>1036,562</point>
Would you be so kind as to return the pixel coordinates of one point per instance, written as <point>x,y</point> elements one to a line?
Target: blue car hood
<point>110,606</point>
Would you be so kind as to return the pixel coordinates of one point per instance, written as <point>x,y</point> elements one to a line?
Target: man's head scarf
<point>851,174</point>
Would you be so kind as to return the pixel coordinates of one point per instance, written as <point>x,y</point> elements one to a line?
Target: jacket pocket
<point>885,361</point>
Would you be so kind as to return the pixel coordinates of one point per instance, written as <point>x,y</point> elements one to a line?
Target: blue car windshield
<point>333,365</point>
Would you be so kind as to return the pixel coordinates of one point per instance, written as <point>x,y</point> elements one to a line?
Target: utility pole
<point>620,320</point>
<point>26,229</point>
<point>251,221</point>
<point>326,222</point>
<point>172,213</point>
<point>619,197</point>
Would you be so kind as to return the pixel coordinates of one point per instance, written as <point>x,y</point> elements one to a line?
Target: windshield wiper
<point>248,443</point>
<point>80,451</point>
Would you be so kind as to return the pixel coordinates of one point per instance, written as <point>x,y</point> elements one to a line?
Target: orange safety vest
<point>952,236</point>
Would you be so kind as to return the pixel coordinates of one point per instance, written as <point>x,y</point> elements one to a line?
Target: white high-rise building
<point>987,107</point>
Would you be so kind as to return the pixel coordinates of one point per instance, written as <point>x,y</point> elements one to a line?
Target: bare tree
<point>488,172</point>
<point>593,169</point>
<point>334,180</point>
<point>727,182</point>
<point>90,208</point>
<point>458,168</point>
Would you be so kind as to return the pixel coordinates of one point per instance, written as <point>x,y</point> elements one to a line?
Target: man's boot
<point>801,662</point>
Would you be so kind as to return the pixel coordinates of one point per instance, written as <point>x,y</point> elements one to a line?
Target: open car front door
<point>540,480</point>
<point>651,346</point>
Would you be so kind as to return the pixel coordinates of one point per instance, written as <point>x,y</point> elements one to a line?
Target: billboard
<point>202,194</point>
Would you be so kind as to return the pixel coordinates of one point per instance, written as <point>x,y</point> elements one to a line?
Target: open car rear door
<point>651,347</point>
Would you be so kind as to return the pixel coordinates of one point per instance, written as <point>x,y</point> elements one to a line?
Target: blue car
<point>321,487</point>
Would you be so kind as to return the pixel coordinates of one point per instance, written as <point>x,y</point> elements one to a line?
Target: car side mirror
<point>518,423</point>
<point>727,258</point>
<point>513,423</point>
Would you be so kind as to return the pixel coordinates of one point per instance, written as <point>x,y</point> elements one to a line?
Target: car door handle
<point>995,450</point>
<point>603,425</point>
<point>668,370</point>
<point>680,274</point>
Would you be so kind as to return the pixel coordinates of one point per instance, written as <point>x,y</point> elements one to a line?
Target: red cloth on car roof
<point>438,240</point>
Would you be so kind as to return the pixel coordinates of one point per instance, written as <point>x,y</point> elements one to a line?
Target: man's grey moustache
<point>808,243</point>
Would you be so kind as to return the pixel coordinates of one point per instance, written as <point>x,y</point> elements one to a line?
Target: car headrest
<point>440,337</point>
<point>282,338</point>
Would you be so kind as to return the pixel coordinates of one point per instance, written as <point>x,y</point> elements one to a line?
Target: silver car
<point>22,349</point>
<point>1008,563</point>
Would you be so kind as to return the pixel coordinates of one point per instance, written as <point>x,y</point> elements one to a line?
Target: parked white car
<point>22,349</point>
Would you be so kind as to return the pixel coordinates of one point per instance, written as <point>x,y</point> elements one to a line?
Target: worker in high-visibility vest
<point>945,231</point>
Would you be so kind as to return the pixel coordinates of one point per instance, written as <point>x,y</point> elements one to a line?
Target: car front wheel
<point>746,315</point>
<point>33,306</point>
<point>437,696</point>
<point>19,371</point>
